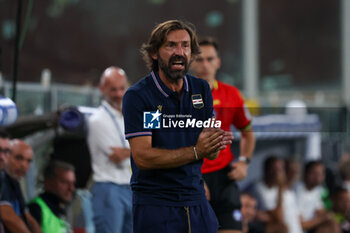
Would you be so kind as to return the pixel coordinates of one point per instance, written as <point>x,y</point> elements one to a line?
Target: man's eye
<point>210,59</point>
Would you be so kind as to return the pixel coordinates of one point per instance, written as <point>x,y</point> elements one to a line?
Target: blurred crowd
<point>47,211</point>
<point>294,197</point>
<point>290,197</point>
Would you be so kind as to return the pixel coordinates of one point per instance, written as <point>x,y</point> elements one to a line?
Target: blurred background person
<point>341,208</point>
<point>110,154</point>
<point>344,169</point>
<point>221,174</point>
<point>292,172</point>
<point>277,202</point>
<point>309,194</point>
<point>13,211</point>
<point>249,210</point>
<point>49,208</point>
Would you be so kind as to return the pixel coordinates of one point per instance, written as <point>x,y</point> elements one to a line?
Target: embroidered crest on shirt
<point>197,101</point>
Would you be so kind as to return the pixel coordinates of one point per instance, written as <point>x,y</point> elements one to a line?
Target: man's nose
<point>179,50</point>
<point>120,94</point>
<point>72,187</point>
<point>205,63</point>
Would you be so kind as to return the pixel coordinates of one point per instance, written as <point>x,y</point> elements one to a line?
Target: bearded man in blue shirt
<point>169,125</point>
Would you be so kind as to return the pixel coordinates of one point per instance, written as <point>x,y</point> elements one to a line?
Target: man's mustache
<point>178,58</point>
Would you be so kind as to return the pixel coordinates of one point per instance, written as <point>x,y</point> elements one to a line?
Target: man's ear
<point>101,88</point>
<point>154,56</point>
<point>219,63</point>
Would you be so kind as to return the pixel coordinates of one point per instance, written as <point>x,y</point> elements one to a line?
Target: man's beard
<point>173,74</point>
<point>114,103</point>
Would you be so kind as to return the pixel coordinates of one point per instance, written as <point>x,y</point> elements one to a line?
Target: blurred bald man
<point>110,153</point>
<point>14,214</point>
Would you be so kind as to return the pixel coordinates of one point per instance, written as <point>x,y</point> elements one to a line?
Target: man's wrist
<point>245,159</point>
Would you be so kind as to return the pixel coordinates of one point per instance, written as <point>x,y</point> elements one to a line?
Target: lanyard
<point>121,135</point>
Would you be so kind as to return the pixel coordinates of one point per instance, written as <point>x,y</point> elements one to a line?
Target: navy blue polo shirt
<point>175,186</point>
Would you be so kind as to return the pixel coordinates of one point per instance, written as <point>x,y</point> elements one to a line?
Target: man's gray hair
<point>50,169</point>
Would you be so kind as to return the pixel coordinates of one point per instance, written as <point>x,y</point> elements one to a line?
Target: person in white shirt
<point>345,172</point>
<point>110,155</point>
<point>309,195</point>
<point>274,196</point>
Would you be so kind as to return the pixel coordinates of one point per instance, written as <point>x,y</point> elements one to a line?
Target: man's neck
<point>14,177</point>
<point>54,197</point>
<point>115,106</point>
<point>211,83</point>
<point>270,183</point>
<point>174,85</point>
<point>309,187</point>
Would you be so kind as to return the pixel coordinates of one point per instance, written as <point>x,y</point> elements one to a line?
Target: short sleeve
<point>133,109</point>
<point>5,195</point>
<point>242,118</point>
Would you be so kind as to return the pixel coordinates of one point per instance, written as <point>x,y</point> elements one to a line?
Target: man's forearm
<point>12,222</point>
<point>119,154</point>
<point>209,143</point>
<point>155,158</point>
<point>33,224</point>
<point>247,143</point>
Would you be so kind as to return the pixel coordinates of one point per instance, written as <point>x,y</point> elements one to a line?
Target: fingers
<point>222,147</point>
<point>213,155</point>
<point>231,174</point>
<point>227,138</point>
<point>238,172</point>
<point>215,142</point>
<point>212,140</point>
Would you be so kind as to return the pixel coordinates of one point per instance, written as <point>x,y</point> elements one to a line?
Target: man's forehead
<point>180,35</point>
<point>63,172</point>
<point>209,50</point>
<point>25,151</point>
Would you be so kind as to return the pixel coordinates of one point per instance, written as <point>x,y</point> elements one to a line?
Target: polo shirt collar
<point>163,88</point>
<point>216,85</point>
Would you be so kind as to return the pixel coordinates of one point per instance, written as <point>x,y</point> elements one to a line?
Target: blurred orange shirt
<point>229,107</point>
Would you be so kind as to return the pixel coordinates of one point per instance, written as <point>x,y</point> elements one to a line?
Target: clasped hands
<point>211,141</point>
